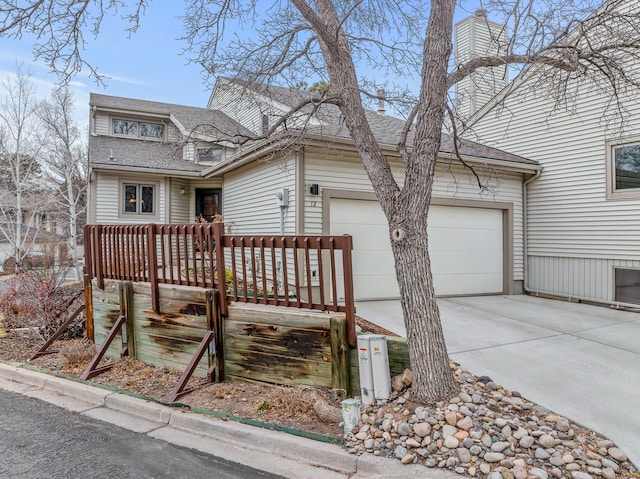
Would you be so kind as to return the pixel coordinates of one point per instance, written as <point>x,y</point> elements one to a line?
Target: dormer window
<point>137,129</point>
<point>210,155</point>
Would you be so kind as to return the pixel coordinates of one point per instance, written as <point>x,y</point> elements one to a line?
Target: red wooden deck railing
<point>309,272</point>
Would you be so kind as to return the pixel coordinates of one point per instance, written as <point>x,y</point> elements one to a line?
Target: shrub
<point>39,300</point>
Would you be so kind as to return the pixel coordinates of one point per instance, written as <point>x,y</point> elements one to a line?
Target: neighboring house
<point>304,179</point>
<point>582,213</point>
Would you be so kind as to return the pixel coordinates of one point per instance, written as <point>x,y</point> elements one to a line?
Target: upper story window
<point>210,155</point>
<point>623,169</point>
<point>137,129</point>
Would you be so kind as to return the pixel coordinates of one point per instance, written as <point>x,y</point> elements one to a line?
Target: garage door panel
<point>463,283</point>
<point>465,246</point>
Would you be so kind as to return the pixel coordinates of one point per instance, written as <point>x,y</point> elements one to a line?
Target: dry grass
<point>77,352</point>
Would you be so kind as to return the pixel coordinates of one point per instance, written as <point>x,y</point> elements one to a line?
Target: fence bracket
<point>179,389</point>
<point>44,350</point>
<point>93,369</point>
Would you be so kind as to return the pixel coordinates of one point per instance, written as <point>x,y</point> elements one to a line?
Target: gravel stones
<point>486,431</point>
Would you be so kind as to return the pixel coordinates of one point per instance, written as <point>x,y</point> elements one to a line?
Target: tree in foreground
<point>352,46</point>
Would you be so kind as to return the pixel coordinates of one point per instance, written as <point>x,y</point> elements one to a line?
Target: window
<point>138,199</point>
<point>211,155</point>
<point>138,129</point>
<point>623,169</point>
<point>627,285</point>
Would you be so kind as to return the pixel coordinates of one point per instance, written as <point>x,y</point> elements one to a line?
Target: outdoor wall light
<point>183,191</point>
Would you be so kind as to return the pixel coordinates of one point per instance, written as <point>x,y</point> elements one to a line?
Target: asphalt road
<point>41,441</point>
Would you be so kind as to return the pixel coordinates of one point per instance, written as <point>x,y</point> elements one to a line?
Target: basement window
<point>627,285</point>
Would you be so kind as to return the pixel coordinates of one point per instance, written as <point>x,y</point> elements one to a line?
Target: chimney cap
<point>481,13</point>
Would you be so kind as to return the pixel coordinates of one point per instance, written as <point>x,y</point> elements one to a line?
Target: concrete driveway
<point>579,360</point>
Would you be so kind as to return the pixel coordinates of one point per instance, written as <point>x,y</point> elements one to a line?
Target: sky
<point>148,65</point>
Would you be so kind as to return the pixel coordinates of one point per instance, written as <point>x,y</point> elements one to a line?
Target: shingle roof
<point>189,116</point>
<point>152,155</point>
<point>155,155</point>
<point>386,128</point>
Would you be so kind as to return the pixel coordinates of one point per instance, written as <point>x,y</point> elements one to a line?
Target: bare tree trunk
<point>433,378</point>
<point>72,239</point>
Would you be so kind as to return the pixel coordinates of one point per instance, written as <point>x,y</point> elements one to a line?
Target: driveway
<point>579,360</point>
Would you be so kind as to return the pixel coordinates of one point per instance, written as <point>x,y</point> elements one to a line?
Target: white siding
<point>578,277</point>
<point>346,173</point>
<point>243,107</point>
<point>108,205</point>
<point>248,108</point>
<point>573,230</point>
<point>179,204</point>
<point>249,201</point>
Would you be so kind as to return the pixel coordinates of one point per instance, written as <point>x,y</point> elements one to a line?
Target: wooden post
<point>97,256</point>
<point>218,234</point>
<point>340,363</point>
<point>216,324</point>
<point>88,308</point>
<point>350,308</point>
<point>126,310</point>
<point>153,267</point>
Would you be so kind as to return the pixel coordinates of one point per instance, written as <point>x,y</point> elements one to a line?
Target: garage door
<point>465,244</point>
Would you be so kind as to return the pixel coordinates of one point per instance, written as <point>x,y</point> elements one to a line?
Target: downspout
<point>525,241</point>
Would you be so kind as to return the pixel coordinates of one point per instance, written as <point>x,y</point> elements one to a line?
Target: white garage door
<point>465,244</point>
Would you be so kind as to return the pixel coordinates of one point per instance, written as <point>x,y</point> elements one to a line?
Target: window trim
<point>138,136</point>
<point>139,185</point>
<point>216,146</point>
<point>611,192</point>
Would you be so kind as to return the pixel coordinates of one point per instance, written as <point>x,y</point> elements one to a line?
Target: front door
<point>208,203</point>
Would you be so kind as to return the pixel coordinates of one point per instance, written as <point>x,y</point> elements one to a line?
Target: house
<point>154,162</point>
<point>581,215</point>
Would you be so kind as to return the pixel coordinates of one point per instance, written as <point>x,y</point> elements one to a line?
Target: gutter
<point>136,169</point>
<point>241,158</point>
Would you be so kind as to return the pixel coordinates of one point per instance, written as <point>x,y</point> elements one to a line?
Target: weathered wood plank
<point>286,316</point>
<point>340,365</point>
<point>277,339</point>
<point>158,356</point>
<point>293,374</point>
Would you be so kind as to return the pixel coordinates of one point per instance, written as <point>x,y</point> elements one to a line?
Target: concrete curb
<point>277,452</point>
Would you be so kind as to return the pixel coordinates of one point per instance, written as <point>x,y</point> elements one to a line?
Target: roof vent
<point>381,97</point>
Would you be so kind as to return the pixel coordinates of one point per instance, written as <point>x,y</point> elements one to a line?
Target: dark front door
<point>208,203</point>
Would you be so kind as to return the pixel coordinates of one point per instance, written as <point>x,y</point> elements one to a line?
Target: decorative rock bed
<point>486,431</point>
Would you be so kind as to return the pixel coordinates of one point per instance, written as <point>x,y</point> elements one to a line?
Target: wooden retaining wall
<point>263,343</point>
<point>162,339</point>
